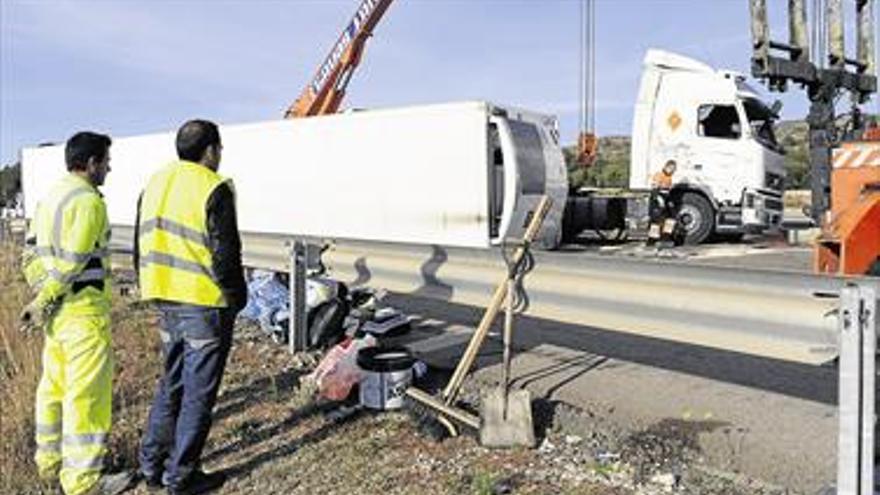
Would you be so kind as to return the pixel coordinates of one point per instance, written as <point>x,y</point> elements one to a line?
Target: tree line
<point>10,184</point>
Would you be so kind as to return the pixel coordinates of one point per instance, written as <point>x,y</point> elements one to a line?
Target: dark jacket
<point>224,243</point>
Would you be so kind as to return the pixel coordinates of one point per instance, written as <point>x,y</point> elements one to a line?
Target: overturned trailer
<point>458,174</point>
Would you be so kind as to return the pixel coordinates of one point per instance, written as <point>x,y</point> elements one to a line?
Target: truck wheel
<point>696,217</point>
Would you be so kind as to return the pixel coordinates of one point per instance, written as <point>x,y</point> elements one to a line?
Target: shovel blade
<point>510,430</point>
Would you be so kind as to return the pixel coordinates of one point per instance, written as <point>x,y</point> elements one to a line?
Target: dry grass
<point>137,366</point>
<point>19,373</point>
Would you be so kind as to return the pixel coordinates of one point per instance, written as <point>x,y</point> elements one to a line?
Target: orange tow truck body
<point>850,240</point>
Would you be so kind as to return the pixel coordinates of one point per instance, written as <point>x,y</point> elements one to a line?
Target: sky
<point>128,67</point>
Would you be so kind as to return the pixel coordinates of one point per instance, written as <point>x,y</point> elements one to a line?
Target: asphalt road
<point>772,420</point>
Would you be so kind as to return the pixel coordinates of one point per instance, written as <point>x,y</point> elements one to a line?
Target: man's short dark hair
<point>194,137</point>
<point>84,146</point>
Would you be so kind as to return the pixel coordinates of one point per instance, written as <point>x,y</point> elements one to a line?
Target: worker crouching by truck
<point>664,230</point>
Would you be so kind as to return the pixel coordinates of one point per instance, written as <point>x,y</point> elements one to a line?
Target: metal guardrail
<point>762,313</point>
<point>13,229</point>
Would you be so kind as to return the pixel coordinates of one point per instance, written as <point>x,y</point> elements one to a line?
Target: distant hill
<point>611,168</point>
<point>792,135</point>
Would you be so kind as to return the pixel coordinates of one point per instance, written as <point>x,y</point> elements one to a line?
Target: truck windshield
<point>761,120</point>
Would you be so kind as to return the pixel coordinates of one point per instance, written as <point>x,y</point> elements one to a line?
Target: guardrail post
<point>297,336</point>
<point>859,326</point>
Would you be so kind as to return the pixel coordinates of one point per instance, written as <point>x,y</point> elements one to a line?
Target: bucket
<point>387,374</point>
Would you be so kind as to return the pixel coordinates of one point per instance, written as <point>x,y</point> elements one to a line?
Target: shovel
<point>445,405</point>
<point>507,414</point>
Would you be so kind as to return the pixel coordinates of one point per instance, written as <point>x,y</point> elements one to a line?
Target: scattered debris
<point>338,371</point>
<point>334,311</point>
<point>573,439</point>
<point>386,322</point>
<point>546,446</point>
<point>387,372</point>
<point>664,446</point>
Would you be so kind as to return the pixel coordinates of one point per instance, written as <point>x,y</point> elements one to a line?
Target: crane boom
<point>324,93</point>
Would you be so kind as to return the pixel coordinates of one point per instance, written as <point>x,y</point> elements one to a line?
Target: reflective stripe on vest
<point>70,255</point>
<point>48,428</point>
<point>175,259</point>
<point>53,259</point>
<point>174,228</point>
<point>89,463</point>
<point>48,448</point>
<point>85,439</point>
<point>90,275</point>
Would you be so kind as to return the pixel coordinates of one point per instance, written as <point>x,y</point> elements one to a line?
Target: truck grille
<point>774,181</point>
<point>773,204</point>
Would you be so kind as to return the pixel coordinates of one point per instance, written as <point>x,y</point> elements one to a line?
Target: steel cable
<point>517,270</point>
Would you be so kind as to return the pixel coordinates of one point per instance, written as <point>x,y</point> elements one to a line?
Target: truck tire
<point>696,217</point>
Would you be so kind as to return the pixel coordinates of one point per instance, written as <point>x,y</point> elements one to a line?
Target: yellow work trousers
<point>74,398</point>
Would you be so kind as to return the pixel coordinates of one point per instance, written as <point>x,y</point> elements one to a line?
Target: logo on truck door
<point>674,120</point>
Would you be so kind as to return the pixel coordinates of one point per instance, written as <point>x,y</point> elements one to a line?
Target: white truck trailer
<point>458,174</point>
<point>469,174</point>
<point>730,175</point>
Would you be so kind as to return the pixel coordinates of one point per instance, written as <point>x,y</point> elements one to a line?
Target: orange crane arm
<point>324,93</point>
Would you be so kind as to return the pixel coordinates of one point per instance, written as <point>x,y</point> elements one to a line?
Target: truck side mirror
<point>776,107</point>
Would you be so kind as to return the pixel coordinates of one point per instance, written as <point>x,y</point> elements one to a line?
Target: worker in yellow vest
<point>188,253</point>
<point>66,264</point>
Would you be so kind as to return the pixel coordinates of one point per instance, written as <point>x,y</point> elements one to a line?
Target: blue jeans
<point>195,344</point>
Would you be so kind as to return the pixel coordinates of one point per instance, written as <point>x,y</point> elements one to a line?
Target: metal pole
<point>297,331</point>
<point>836,49</point>
<point>866,36</point>
<point>821,122</point>
<point>760,32</point>
<point>583,90</point>
<point>797,30</point>
<point>870,327</point>
<point>291,303</point>
<point>817,34</point>
<point>848,395</point>
<point>592,76</point>
<point>858,326</point>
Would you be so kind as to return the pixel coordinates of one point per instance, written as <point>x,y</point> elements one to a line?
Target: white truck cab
<point>730,175</point>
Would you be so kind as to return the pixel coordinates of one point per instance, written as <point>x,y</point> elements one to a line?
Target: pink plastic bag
<point>338,371</point>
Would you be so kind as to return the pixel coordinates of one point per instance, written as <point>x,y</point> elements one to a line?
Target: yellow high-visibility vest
<point>175,261</point>
<point>67,257</point>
